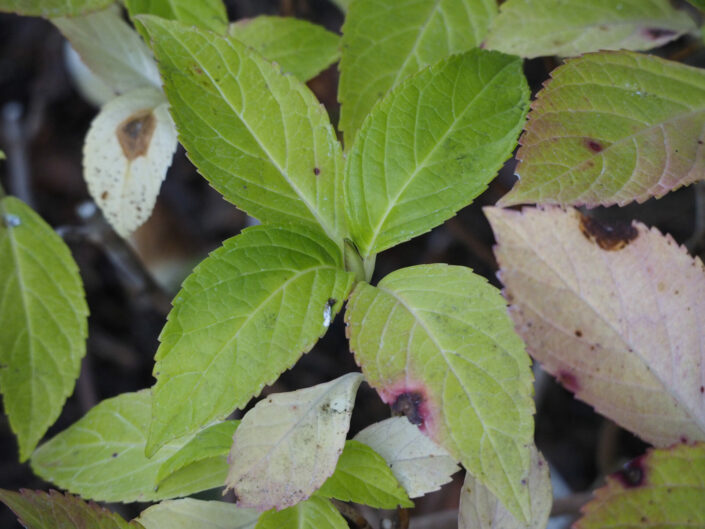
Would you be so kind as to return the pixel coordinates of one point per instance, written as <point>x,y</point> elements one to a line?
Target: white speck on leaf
<point>11,221</point>
<point>327,313</point>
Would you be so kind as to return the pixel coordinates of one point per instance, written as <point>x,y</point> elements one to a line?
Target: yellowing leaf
<point>436,343</point>
<point>664,488</point>
<point>288,444</point>
<point>299,47</point>
<point>111,49</point>
<point>44,322</point>
<point>610,128</point>
<point>39,510</point>
<point>314,513</point>
<point>431,146</point>
<point>101,456</point>
<point>532,28</point>
<point>480,509</point>
<point>363,476</point>
<point>197,514</point>
<point>420,465</point>
<point>386,41</point>
<point>260,138</point>
<point>615,312</point>
<point>245,315</point>
<point>128,150</point>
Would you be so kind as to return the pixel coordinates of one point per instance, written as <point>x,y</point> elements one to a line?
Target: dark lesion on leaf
<point>135,134</point>
<point>632,474</point>
<point>409,404</point>
<point>608,235</point>
<point>658,33</point>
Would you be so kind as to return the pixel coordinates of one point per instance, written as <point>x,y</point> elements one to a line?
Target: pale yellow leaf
<point>288,444</point>
<point>480,509</point>
<point>127,152</point>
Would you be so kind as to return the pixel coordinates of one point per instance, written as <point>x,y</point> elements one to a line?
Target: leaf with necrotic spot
<point>615,311</point>
<point>611,128</point>
<point>436,343</point>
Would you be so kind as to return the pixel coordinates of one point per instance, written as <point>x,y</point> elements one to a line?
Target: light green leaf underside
<point>205,14</point>
<point>432,145</point>
<point>53,8</point>
<point>672,495</point>
<point>111,49</point>
<point>314,513</point>
<point>245,315</point>
<point>299,47</point>
<point>611,128</point>
<point>259,137</point>
<point>212,443</point>
<point>386,41</point>
<point>196,514</point>
<point>43,313</point>
<point>443,333</point>
<point>101,456</point>
<point>616,313</point>
<point>533,28</point>
<point>363,476</point>
<point>39,510</point>
<point>420,465</point>
<point>480,509</point>
<point>289,443</point>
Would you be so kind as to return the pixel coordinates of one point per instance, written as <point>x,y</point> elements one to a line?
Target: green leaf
<point>212,443</point>
<point>386,41</point>
<point>610,128</point>
<point>432,145</point>
<point>43,313</point>
<point>111,49</point>
<point>39,510</point>
<point>260,138</point>
<point>436,343</point>
<point>246,314</point>
<point>289,443</point>
<point>205,14</point>
<point>314,513</point>
<point>102,455</point>
<point>700,4</point>
<point>420,465</point>
<point>299,47</point>
<point>616,311</point>
<point>363,477</point>
<point>663,488</point>
<point>196,514</point>
<point>53,8</point>
<point>480,509</point>
<point>531,28</point>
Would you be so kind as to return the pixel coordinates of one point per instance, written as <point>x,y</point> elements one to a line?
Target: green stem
<point>354,262</point>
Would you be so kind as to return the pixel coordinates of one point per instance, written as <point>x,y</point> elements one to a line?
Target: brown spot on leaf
<point>632,474</point>
<point>578,333</point>
<point>135,134</point>
<point>409,404</point>
<point>316,171</point>
<point>104,195</point>
<point>594,145</point>
<point>658,33</point>
<point>610,236</point>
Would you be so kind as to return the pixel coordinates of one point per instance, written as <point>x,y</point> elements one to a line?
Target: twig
<point>16,146</point>
<point>695,242</point>
<point>85,386</point>
<point>570,504</point>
